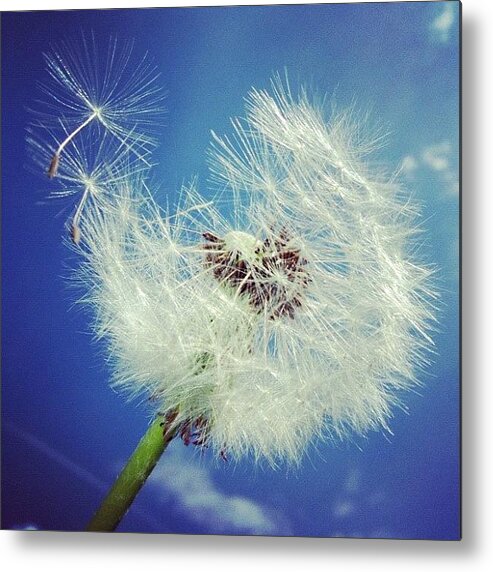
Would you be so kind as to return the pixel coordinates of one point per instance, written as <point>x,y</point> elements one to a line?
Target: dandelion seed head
<point>304,314</point>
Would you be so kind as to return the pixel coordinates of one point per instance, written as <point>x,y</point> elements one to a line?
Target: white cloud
<point>191,486</point>
<point>439,158</point>
<point>353,481</point>
<point>343,509</point>
<point>409,164</point>
<point>442,24</point>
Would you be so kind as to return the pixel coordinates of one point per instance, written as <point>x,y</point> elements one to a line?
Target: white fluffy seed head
<point>186,334</point>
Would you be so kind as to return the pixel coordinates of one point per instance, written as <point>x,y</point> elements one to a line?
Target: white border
<point>79,552</point>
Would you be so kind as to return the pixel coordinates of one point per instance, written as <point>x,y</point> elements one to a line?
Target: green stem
<point>132,478</point>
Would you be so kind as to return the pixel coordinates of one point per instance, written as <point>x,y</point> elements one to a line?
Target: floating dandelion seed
<point>91,167</point>
<point>87,94</point>
<point>55,161</point>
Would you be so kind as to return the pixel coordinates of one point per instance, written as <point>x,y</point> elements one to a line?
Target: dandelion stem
<point>52,171</point>
<point>132,478</point>
<point>74,133</point>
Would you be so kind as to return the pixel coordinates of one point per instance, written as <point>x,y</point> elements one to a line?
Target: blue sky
<point>66,433</point>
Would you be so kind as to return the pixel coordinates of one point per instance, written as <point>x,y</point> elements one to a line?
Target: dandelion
<point>55,161</point>
<point>89,169</point>
<point>303,315</point>
<point>301,312</point>
<point>116,95</point>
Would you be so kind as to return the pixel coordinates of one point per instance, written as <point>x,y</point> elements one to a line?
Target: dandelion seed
<point>53,168</point>
<point>75,228</point>
<point>52,171</point>
<point>87,94</point>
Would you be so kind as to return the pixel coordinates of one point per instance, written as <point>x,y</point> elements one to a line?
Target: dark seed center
<point>271,273</point>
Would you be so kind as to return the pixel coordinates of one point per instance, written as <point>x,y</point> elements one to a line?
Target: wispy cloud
<point>190,485</point>
<point>439,158</point>
<point>343,509</point>
<point>353,481</point>
<point>56,456</point>
<point>358,510</point>
<point>346,503</point>
<point>409,164</point>
<point>441,26</point>
<point>436,166</point>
